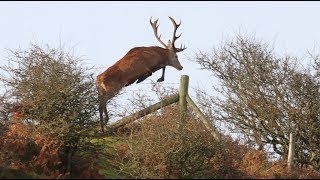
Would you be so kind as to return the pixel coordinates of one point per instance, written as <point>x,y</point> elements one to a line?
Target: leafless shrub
<point>264,97</point>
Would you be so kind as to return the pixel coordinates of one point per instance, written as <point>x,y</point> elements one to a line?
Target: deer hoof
<point>160,80</point>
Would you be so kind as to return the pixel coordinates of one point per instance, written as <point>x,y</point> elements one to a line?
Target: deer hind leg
<point>162,76</point>
<point>103,98</point>
<point>103,109</point>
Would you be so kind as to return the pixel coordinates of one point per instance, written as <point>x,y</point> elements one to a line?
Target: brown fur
<point>136,63</point>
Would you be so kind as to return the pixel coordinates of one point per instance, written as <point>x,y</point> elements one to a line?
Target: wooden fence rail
<point>143,112</point>
<point>204,120</point>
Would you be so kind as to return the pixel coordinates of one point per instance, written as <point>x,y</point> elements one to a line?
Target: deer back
<point>136,63</point>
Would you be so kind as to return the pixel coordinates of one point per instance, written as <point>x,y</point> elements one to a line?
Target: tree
<point>54,94</point>
<point>265,97</point>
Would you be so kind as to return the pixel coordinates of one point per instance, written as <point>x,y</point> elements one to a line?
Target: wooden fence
<point>183,98</point>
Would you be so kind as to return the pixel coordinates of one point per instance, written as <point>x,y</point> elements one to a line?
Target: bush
<point>153,147</point>
<point>156,149</point>
<point>55,96</point>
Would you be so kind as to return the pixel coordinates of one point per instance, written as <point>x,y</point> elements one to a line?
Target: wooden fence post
<point>291,153</point>
<point>183,92</point>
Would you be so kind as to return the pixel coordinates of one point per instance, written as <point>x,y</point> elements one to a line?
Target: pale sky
<point>103,32</point>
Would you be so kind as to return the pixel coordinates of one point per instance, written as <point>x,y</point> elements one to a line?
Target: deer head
<point>173,58</point>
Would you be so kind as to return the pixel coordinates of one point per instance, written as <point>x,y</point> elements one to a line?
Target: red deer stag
<point>137,65</point>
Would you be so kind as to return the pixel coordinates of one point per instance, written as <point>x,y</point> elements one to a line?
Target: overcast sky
<point>102,32</point>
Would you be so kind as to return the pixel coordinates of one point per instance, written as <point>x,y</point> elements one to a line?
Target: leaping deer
<point>137,65</point>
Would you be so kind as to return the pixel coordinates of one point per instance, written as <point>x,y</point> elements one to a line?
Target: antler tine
<point>174,38</point>
<point>155,31</point>
<point>181,48</point>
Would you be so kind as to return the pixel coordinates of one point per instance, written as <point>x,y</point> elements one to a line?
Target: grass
<point>108,166</point>
<point>8,173</point>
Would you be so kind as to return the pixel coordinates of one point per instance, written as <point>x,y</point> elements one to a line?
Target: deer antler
<point>174,38</point>
<point>155,31</point>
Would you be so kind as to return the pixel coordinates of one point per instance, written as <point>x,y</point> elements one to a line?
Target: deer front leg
<point>162,77</point>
